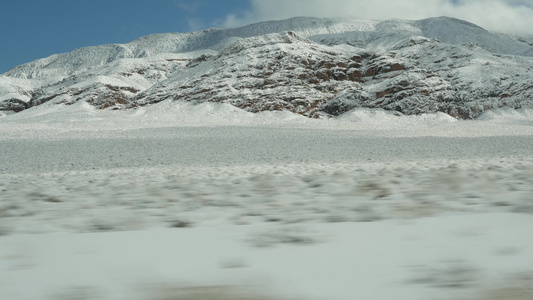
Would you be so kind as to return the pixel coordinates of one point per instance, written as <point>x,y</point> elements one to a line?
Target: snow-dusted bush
<point>450,274</point>
<point>283,235</point>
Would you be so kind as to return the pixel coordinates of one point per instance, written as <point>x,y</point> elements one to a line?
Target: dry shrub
<point>509,293</point>
<point>374,188</point>
<point>222,292</point>
<point>517,287</point>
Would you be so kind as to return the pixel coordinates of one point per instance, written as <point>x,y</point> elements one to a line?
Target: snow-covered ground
<point>179,201</point>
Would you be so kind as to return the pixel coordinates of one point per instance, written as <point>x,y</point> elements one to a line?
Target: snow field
<point>470,256</point>
<point>189,202</point>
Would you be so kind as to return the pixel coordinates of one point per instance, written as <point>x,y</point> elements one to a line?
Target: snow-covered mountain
<point>311,66</point>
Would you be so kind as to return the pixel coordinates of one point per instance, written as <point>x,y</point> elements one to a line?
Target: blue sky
<point>32,29</point>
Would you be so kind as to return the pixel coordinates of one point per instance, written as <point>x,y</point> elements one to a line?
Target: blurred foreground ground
<point>106,208</point>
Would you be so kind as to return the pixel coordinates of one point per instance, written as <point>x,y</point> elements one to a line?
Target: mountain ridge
<point>311,66</point>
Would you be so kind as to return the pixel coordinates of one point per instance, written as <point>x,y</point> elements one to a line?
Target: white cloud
<point>195,24</point>
<point>497,15</point>
<point>189,6</point>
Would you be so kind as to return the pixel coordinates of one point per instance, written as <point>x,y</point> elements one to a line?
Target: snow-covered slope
<point>311,66</point>
<point>82,59</point>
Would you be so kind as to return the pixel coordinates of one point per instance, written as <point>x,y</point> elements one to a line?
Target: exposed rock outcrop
<point>14,105</point>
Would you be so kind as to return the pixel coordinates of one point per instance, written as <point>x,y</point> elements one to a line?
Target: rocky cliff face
<point>318,68</point>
